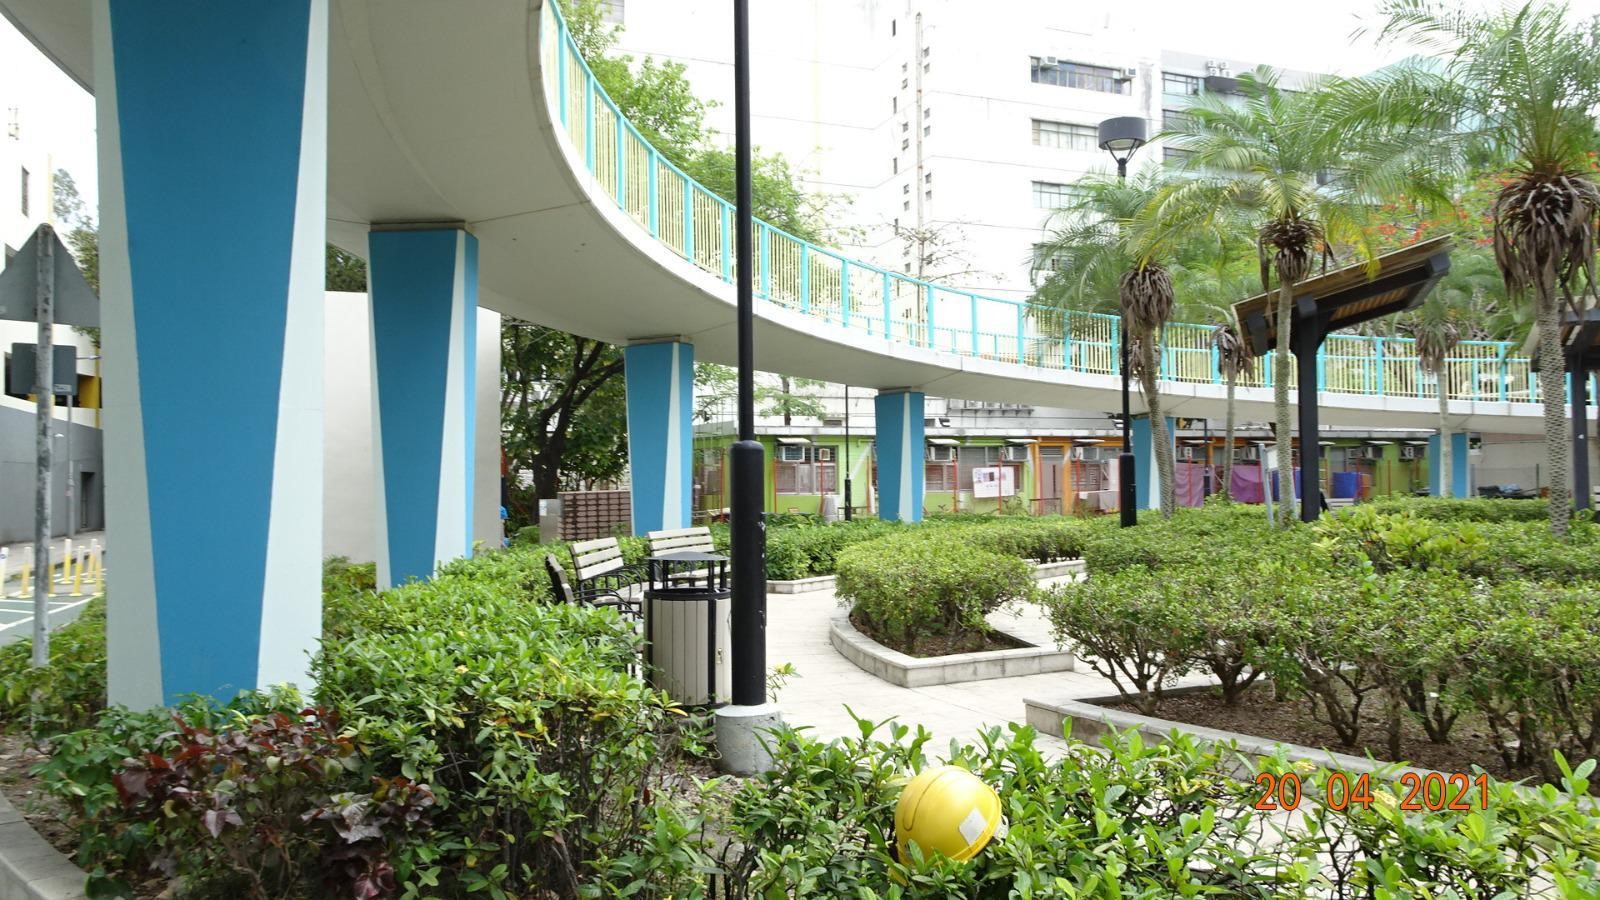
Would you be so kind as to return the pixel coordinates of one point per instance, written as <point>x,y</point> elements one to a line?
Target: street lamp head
<point>1122,136</point>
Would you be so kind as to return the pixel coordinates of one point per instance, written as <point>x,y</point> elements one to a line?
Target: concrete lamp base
<point>743,733</point>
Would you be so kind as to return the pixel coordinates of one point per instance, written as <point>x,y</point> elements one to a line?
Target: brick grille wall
<point>594,514</point>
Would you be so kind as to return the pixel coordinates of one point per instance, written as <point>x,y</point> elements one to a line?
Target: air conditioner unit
<point>1129,73</point>
<point>1361,453</point>
<point>1246,454</point>
<point>1190,453</point>
<point>1048,62</point>
<point>824,454</point>
<point>1014,453</point>
<point>791,453</point>
<point>1412,451</point>
<point>937,453</point>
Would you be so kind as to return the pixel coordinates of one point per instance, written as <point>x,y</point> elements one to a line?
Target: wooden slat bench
<point>564,592</point>
<point>598,565</point>
<point>682,540</point>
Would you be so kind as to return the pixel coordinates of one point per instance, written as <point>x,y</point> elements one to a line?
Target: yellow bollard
<point>66,563</point>
<point>77,581</point>
<point>27,576</point>
<point>97,566</point>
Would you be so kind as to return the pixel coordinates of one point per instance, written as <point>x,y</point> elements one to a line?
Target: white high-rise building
<point>949,132</point>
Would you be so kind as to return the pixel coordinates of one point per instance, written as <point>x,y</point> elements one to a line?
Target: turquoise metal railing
<point>816,281</point>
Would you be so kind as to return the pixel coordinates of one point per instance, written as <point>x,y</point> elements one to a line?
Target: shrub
<point>907,588</point>
<point>1464,510</point>
<point>546,755</point>
<point>1131,819</point>
<point>68,693</point>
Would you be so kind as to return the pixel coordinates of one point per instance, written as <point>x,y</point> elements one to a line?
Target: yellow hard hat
<point>949,811</point>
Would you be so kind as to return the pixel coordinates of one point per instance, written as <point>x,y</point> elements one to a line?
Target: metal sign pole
<point>44,391</point>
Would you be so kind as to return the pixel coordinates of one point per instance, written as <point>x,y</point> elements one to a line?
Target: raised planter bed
<point>1089,720</point>
<point>31,869</point>
<point>905,670</point>
<point>1041,572</point>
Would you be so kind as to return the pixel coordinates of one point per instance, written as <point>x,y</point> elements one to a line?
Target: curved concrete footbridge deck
<point>465,150</point>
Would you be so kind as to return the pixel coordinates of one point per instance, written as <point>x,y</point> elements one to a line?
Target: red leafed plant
<point>266,808</point>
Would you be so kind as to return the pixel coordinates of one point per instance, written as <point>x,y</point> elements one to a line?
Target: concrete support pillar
<point>1146,474</point>
<point>424,286</point>
<point>901,454</point>
<point>660,381</point>
<point>1458,465</point>
<point>212,123</point>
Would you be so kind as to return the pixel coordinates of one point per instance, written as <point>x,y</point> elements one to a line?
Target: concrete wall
<point>349,510</point>
<point>18,466</point>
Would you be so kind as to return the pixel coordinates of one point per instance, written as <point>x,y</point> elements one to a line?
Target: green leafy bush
<point>1127,819</point>
<point>546,754</point>
<point>1464,510</point>
<point>68,693</point>
<point>907,588</point>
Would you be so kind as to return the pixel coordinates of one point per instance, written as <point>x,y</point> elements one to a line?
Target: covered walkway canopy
<point>1343,298</point>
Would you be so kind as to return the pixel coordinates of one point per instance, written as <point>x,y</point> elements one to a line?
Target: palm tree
<point>1435,329</point>
<point>1522,84</point>
<point>1291,163</point>
<point>1098,251</point>
<point>1234,359</point>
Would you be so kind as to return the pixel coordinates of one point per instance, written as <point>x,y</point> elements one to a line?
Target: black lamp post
<point>749,536</point>
<point>1122,137</point>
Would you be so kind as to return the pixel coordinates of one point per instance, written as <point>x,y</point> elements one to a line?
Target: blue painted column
<point>1459,464</point>
<point>212,122</point>
<point>1144,460</point>
<point>424,285</point>
<point>660,377</point>
<point>902,453</point>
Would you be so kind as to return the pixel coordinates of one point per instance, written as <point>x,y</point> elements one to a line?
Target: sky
<point>1310,36</point>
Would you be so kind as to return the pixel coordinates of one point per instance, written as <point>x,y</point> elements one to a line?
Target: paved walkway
<point>16,611</point>
<point>825,683</point>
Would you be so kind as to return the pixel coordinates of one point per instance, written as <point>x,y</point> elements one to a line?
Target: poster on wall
<point>989,482</point>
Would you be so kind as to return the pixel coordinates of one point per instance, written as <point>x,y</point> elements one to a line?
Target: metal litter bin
<point>688,625</point>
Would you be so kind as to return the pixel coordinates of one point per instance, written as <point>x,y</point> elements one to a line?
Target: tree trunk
<point>1165,463</point>
<point>1282,369</point>
<point>1442,375</point>
<point>1552,390</point>
<point>783,383</point>
<point>1227,443</point>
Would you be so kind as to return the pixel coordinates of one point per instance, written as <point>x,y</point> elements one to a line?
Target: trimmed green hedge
<point>908,588</point>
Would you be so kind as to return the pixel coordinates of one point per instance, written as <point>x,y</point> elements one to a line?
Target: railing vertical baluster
<point>1377,351</point>
<point>805,277</point>
<point>1022,347</point>
<point>622,161</point>
<point>928,322</point>
<point>844,292</point>
<point>726,209</point>
<point>588,122</point>
<point>974,303</point>
<point>561,75</point>
<point>764,232</point>
<point>688,220</point>
<point>887,320</point>
<point>654,213</point>
<point>1115,349</point>
<point>1216,365</point>
<point>1505,371</point>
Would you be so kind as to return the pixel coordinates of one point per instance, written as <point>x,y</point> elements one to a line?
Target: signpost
<point>44,284</point>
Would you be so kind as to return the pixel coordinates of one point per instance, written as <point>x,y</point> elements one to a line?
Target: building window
<point>906,206</point>
<point>1176,85</point>
<point>927,130</point>
<point>928,195</point>
<point>894,27</point>
<point>894,104</point>
<point>927,113</point>
<point>928,178</point>
<point>1050,195</point>
<point>1174,120</point>
<point>905,143</point>
<point>1065,135</point>
<point>813,473</point>
<point>905,83</point>
<point>905,126</point>
<point>905,188</point>
<point>939,477</point>
<point>1046,261</point>
<point>24,191</point>
<point>1080,75</point>
<point>1173,156</point>
<point>894,166</point>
